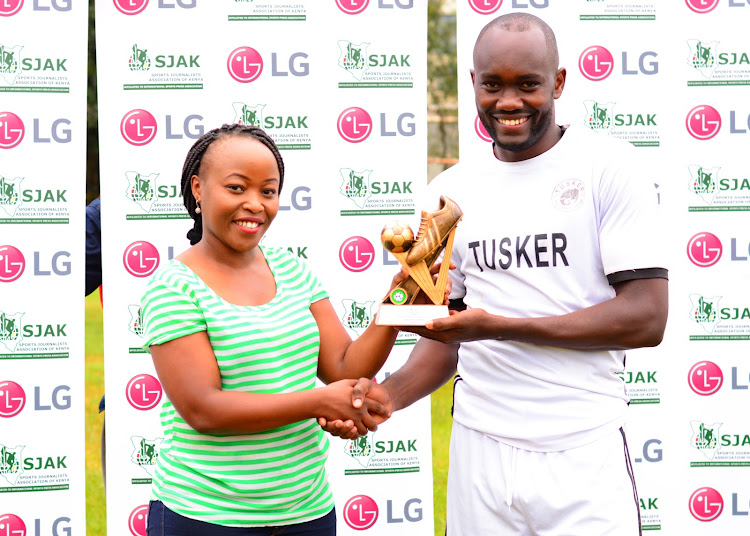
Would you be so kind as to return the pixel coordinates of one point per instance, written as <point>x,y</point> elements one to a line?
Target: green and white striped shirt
<point>275,477</point>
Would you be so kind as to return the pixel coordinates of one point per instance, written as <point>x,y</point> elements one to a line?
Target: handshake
<point>355,407</point>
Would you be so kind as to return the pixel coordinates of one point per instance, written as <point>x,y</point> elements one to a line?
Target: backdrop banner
<point>341,87</point>
<point>670,78</point>
<point>42,200</point>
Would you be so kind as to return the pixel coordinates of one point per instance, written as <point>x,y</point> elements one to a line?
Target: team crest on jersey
<point>569,195</point>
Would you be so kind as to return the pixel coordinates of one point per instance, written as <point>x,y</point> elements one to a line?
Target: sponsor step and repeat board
<point>341,87</point>
<point>672,79</point>
<point>339,84</point>
<point>42,200</point>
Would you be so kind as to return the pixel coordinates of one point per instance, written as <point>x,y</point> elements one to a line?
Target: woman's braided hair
<point>195,157</point>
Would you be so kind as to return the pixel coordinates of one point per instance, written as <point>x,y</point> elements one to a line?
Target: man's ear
<point>559,82</point>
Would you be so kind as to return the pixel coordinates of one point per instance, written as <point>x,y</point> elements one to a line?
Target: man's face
<point>515,85</point>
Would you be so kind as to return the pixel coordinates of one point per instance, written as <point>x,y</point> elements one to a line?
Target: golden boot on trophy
<point>417,255</point>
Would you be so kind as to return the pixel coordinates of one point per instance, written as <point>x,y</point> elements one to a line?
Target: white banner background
<point>163,72</point>
<point>42,200</point>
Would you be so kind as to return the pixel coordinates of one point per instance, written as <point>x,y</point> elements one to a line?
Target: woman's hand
<point>352,412</point>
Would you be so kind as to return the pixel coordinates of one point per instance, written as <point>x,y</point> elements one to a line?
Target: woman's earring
<point>197,208</point>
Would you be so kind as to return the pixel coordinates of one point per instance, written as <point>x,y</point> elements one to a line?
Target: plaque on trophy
<point>418,255</point>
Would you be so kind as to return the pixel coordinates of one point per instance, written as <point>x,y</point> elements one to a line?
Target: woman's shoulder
<point>173,273</point>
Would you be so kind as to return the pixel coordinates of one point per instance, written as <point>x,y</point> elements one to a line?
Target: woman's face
<point>238,191</point>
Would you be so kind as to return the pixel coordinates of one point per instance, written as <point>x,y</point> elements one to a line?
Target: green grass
<point>96,515</point>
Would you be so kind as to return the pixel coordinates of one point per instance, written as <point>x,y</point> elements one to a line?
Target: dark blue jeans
<point>164,522</point>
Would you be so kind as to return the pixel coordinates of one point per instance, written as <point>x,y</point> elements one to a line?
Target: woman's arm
<point>189,374</point>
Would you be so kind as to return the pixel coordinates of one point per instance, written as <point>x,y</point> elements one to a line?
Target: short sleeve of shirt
<point>630,230</point>
<point>317,292</point>
<point>169,309</point>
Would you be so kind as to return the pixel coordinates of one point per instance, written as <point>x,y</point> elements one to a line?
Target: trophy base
<point>409,315</point>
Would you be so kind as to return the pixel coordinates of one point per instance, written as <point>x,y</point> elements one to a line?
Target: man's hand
<point>460,326</point>
<point>365,394</point>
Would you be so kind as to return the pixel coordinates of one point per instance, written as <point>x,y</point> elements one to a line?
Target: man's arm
<point>634,318</point>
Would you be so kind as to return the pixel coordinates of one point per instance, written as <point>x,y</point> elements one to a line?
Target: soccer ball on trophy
<point>397,237</point>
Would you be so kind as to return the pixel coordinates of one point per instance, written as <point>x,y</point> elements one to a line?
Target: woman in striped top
<point>238,333</point>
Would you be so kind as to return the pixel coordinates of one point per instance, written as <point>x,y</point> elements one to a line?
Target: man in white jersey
<point>558,272</point>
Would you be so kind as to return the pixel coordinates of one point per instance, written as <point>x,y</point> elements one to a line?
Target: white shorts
<point>499,490</point>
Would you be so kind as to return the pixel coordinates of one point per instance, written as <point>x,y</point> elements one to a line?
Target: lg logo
<point>138,520</point>
<point>245,64</point>
<point>11,128</point>
<point>354,125</point>
<point>481,131</point>
<point>12,399</point>
<point>143,392</point>
<point>355,7</point>
<point>138,127</point>
<point>487,7</point>
<point>704,249</point>
<point>357,254</point>
<point>702,6</point>
<point>705,378</point>
<point>141,258</point>
<point>360,512</point>
<point>703,122</point>
<point>10,7</point>
<point>133,7</point>
<point>706,504</point>
<point>352,7</point>
<point>596,63</point>
<point>12,264</point>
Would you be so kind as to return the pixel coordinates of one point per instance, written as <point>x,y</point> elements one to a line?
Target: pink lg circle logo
<point>357,254</point>
<point>596,63</point>
<point>704,249</point>
<point>706,504</point>
<point>352,7</point>
<point>10,7</point>
<point>485,7</point>
<point>138,127</point>
<point>360,512</point>
<point>705,378</point>
<point>12,264</point>
<point>141,259</point>
<point>11,129</point>
<point>137,520</point>
<point>480,130</point>
<point>702,6</point>
<point>703,122</point>
<point>130,7</point>
<point>245,64</point>
<point>12,399</point>
<point>354,125</point>
<point>11,524</point>
<point>143,392</point>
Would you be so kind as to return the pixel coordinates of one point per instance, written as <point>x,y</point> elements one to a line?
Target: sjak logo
<point>136,320</point>
<point>353,58</point>
<point>705,311</point>
<point>705,437</point>
<point>702,56</point>
<point>244,114</point>
<point>145,452</point>
<point>361,449</point>
<point>599,116</point>
<point>11,466</point>
<point>141,189</point>
<point>355,185</point>
<point>11,330</point>
<point>357,315</point>
<point>703,182</point>
<point>10,194</point>
<point>10,62</point>
<point>139,60</point>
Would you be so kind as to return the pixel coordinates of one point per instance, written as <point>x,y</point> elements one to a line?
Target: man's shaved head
<point>522,22</point>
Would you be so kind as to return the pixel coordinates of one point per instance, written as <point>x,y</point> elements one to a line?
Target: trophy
<point>417,255</point>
